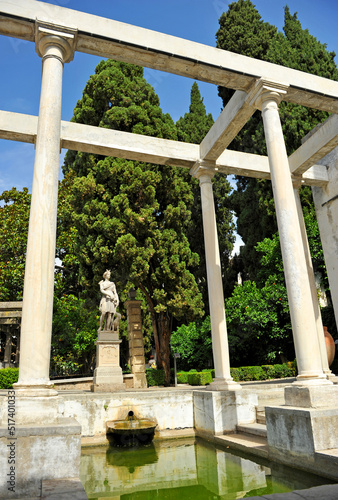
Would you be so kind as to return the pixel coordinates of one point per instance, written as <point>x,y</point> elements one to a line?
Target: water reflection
<point>182,469</point>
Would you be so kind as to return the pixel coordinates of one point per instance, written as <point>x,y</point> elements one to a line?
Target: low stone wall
<point>85,383</point>
<point>171,410</point>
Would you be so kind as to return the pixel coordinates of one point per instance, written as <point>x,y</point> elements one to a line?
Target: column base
<point>304,380</point>
<point>224,384</point>
<point>30,406</point>
<point>300,432</point>
<point>323,396</point>
<point>219,412</point>
<point>37,453</point>
<point>41,390</point>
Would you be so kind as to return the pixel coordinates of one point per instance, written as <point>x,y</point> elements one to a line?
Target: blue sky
<point>195,20</point>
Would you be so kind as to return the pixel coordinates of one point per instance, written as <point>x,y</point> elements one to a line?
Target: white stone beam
<point>321,141</point>
<point>232,119</point>
<point>11,306</point>
<point>107,142</point>
<point>252,165</point>
<point>138,147</point>
<point>108,38</point>
<point>18,127</point>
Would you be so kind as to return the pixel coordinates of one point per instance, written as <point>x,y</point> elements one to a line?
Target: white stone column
<point>220,347</point>
<point>267,98</point>
<point>56,46</point>
<point>326,203</point>
<point>312,281</point>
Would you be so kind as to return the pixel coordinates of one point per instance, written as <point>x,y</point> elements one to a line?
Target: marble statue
<point>108,304</point>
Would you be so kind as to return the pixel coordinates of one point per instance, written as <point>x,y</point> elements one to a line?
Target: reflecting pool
<point>184,469</point>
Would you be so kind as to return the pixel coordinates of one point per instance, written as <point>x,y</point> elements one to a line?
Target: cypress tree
<point>192,128</point>
<point>132,217</point>
<point>243,31</point>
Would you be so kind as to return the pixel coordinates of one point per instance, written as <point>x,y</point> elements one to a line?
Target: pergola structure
<point>57,32</point>
<point>10,318</point>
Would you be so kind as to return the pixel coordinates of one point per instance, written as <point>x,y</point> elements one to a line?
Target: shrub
<point>282,371</point>
<point>8,377</point>
<point>234,372</point>
<point>182,378</point>
<point>199,378</point>
<point>154,377</point>
<point>269,371</point>
<point>265,372</point>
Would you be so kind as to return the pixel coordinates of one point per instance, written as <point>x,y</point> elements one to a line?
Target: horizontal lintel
<point>229,123</point>
<point>124,42</point>
<point>320,142</point>
<point>108,142</point>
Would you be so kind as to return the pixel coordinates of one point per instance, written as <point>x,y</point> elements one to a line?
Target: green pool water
<point>183,470</point>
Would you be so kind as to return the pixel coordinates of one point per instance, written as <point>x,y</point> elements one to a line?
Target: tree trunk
<point>164,333</point>
<point>162,326</point>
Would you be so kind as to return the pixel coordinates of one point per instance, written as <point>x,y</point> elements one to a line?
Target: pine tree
<point>132,217</point>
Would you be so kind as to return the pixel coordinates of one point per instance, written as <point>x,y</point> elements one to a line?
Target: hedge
<point>8,377</point>
<point>244,373</point>
<point>199,378</point>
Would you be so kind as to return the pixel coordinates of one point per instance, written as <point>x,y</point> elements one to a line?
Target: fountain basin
<point>130,432</point>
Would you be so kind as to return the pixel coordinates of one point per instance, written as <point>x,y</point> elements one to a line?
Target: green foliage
<point>66,278</point>
<point>201,378</point>
<point>240,374</point>
<point>258,323</point>
<point>8,377</point>
<point>74,333</point>
<point>14,217</point>
<point>192,128</point>
<point>195,124</point>
<point>265,372</point>
<point>182,377</point>
<point>242,31</point>
<point>154,376</point>
<point>131,217</point>
<point>193,343</point>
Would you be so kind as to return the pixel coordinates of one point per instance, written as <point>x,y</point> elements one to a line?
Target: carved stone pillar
<point>136,344</point>
<point>220,347</point>
<point>56,46</point>
<point>267,97</point>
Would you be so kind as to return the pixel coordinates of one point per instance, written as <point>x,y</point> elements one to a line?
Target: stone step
<point>254,429</point>
<point>245,443</point>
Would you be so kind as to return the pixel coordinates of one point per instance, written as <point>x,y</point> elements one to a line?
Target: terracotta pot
<point>330,346</point>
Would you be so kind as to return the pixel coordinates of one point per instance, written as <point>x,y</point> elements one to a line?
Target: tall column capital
<point>55,41</point>
<point>267,90</point>
<point>204,171</point>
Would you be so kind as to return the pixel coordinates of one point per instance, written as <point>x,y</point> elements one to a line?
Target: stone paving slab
<point>244,442</point>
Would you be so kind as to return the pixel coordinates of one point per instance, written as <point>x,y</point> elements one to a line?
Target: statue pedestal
<point>108,375</point>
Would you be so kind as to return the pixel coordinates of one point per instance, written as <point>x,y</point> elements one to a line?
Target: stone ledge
<point>63,427</point>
